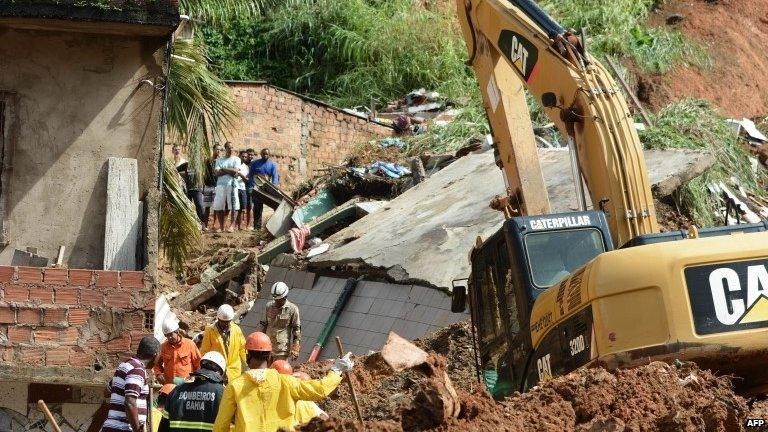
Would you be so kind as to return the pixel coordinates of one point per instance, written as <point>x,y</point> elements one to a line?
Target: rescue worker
<point>160,400</point>
<point>305,410</point>
<point>192,406</point>
<point>282,323</point>
<point>226,338</point>
<point>179,356</point>
<point>263,400</point>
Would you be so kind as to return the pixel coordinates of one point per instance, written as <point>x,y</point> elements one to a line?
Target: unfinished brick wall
<point>303,135</point>
<point>72,325</point>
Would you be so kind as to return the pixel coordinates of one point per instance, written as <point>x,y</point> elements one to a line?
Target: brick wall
<point>71,325</point>
<point>303,135</point>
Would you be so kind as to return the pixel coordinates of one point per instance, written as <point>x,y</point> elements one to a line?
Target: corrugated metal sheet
<point>375,309</point>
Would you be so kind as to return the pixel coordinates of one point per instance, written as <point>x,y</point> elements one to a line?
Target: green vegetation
<point>179,227</point>
<point>694,124</point>
<point>347,51</point>
<point>618,27</point>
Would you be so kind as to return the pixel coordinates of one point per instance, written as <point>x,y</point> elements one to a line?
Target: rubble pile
<point>654,397</point>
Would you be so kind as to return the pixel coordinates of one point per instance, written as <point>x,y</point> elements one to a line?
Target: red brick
<point>56,276</point>
<point>79,357</point>
<point>65,295</point>
<point>95,343</point>
<point>30,274</point>
<point>132,279</point>
<point>57,316</point>
<point>91,297</point>
<point>69,336</point>
<point>78,316</point>
<point>119,299</point>
<point>43,295</point>
<point>137,320</point>
<point>80,277</point>
<point>28,316</point>
<point>16,293</point>
<point>20,334</point>
<point>120,344</point>
<point>7,315</point>
<point>107,278</point>
<point>47,334</point>
<point>57,356</point>
<point>6,354</point>
<point>7,273</point>
<point>32,355</point>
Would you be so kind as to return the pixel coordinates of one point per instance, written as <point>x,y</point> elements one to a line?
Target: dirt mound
<point>655,397</point>
<point>735,35</point>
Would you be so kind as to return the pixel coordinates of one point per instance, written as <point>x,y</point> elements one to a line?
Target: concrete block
<point>121,231</point>
<point>14,396</point>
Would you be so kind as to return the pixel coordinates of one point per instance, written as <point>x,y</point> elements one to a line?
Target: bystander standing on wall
<point>267,169</point>
<point>225,200</point>
<point>242,194</point>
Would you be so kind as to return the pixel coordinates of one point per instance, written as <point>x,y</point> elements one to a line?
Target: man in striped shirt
<point>129,390</point>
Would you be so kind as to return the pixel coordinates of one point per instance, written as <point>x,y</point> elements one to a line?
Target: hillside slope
<point>736,36</point>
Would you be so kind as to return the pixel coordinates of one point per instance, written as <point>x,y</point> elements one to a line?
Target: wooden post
<point>349,381</point>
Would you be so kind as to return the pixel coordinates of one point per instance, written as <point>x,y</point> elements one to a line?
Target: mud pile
<point>655,397</point>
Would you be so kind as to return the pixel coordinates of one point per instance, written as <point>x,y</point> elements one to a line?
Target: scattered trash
<point>388,169</point>
<point>315,251</point>
<point>392,142</point>
<point>747,129</point>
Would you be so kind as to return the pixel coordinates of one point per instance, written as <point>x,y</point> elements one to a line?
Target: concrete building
<point>80,82</point>
<point>303,134</point>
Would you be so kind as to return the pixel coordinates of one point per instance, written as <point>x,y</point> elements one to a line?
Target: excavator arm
<point>514,44</point>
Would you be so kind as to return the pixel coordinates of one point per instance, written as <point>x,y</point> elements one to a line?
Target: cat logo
<point>520,52</point>
<point>728,296</point>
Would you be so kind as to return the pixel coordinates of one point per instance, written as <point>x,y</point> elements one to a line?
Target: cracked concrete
<point>429,229</point>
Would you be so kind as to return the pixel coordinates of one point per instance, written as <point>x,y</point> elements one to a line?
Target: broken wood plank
<point>122,213</point>
<point>212,280</point>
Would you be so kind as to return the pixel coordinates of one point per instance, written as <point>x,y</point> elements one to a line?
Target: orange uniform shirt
<point>177,361</point>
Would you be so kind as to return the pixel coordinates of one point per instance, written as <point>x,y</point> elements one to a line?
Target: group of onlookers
<point>228,186</point>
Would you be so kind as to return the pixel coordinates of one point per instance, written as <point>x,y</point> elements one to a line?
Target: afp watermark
<point>755,423</point>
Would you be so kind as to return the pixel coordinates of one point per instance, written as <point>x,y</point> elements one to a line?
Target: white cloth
<point>239,182</point>
<point>225,198</point>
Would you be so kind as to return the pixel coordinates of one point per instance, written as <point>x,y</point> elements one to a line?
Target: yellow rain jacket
<point>235,355</point>
<point>306,411</point>
<point>263,400</point>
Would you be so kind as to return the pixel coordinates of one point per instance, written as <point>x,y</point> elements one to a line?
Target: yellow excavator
<point>549,293</point>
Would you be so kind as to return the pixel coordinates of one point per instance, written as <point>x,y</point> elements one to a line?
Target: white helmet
<point>279,290</point>
<point>217,358</point>
<point>170,325</point>
<point>225,313</point>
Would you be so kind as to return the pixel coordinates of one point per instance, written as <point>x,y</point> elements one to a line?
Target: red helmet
<point>258,341</point>
<point>303,376</point>
<point>282,366</point>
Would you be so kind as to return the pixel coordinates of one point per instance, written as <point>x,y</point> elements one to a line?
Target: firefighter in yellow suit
<point>263,400</point>
<point>226,338</point>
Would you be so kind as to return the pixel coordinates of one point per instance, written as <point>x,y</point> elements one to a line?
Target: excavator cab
<point>509,271</point>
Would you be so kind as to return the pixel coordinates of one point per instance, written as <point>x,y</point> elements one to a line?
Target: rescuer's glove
<point>343,364</point>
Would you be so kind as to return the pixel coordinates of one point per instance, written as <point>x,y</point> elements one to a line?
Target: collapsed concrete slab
<point>425,234</point>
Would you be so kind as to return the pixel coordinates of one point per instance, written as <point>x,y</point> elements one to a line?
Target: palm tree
<point>200,109</point>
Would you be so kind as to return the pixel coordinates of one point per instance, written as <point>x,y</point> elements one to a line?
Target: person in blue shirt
<point>266,169</point>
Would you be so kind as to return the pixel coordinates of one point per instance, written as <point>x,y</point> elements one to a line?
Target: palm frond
<point>179,227</point>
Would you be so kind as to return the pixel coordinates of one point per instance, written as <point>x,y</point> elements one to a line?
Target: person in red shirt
<point>179,356</point>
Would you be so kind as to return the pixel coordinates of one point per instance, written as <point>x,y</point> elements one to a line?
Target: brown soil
<point>655,397</point>
<point>736,36</point>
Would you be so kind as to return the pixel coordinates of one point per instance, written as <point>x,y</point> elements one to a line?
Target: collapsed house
<point>81,97</point>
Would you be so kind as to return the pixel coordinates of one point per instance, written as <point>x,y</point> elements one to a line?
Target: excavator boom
<point>514,44</point>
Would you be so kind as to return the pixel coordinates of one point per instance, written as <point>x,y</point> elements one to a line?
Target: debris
<point>388,169</point>
<point>320,204</point>
<point>298,237</point>
<point>321,249</point>
<point>28,259</point>
<point>280,221</point>
<point>215,277</point>
<point>162,312</point>
<point>417,168</point>
<point>392,142</point>
<point>675,18</point>
<point>747,129</point>
<point>401,354</point>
